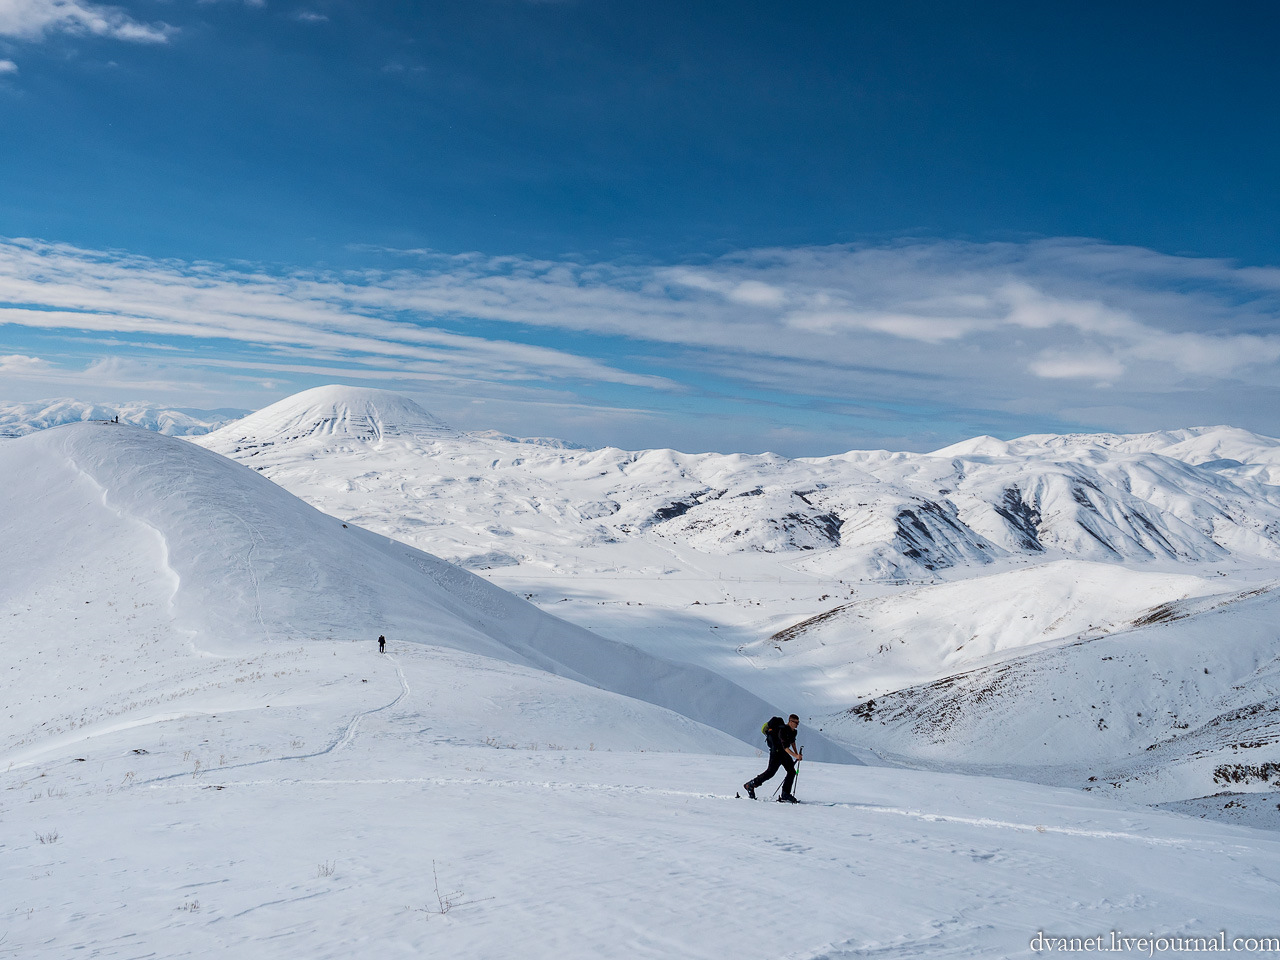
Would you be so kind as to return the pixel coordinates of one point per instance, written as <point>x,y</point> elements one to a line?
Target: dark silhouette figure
<point>382,644</point>
<point>782,753</point>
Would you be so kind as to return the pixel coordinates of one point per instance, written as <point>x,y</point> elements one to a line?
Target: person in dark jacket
<point>382,644</point>
<point>782,753</point>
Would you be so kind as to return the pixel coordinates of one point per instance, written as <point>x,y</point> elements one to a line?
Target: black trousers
<point>778,758</point>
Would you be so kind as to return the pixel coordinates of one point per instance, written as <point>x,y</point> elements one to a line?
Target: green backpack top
<point>770,728</point>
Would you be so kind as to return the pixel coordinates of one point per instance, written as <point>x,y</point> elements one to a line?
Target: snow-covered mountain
<point>19,418</point>
<point>831,581</point>
<point>204,754</point>
<point>862,515</point>
<point>336,414</point>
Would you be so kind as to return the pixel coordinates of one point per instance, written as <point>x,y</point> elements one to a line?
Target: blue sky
<point>735,226</point>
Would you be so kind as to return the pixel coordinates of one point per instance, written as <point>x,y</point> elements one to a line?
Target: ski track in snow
<point>273,903</point>
<point>987,823</point>
<point>342,740</point>
<point>255,538</point>
<point>349,734</point>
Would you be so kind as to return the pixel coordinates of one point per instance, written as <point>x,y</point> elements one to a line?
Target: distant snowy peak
<point>335,412</point>
<point>1194,445</point>
<point>1230,452</point>
<point>983,446</point>
<point>19,418</point>
<point>551,443</point>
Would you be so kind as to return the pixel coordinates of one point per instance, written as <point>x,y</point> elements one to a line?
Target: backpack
<point>771,728</point>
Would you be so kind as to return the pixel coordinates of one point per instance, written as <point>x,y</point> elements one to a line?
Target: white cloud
<point>905,326</point>
<point>1075,367</point>
<point>35,19</point>
<point>56,287</point>
<point>18,365</point>
<point>123,376</point>
<point>753,293</point>
<point>7,66</point>
<point>1005,332</point>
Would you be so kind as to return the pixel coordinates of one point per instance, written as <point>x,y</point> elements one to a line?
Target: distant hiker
<point>382,644</point>
<point>781,738</point>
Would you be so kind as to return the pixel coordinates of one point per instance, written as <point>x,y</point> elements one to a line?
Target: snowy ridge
<point>248,564</point>
<point>19,418</point>
<point>1194,445</point>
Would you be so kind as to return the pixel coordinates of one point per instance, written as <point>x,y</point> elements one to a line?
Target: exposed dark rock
<point>1023,517</point>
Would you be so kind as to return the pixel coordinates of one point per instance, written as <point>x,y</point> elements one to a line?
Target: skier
<point>382,644</point>
<point>782,753</point>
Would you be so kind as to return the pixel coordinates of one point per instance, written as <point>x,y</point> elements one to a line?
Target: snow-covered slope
<point>1181,703</point>
<point>397,844</point>
<point>204,755</point>
<point>873,646</point>
<point>235,567</point>
<point>19,418</point>
<point>783,541</point>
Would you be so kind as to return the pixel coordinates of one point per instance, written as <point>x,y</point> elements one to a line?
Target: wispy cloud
<point>7,66</point>
<point>906,307</point>
<point>57,287</point>
<point>925,333</point>
<point>112,374</point>
<point>19,365</point>
<point>36,19</point>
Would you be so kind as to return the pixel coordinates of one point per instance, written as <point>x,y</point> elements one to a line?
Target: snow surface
<point>204,753</point>
<point>393,845</point>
